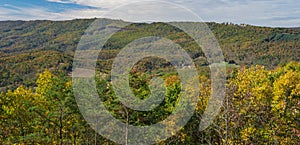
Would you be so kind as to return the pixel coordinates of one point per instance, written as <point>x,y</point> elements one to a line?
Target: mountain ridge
<point>29,47</point>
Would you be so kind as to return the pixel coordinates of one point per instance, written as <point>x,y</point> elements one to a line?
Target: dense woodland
<point>38,105</point>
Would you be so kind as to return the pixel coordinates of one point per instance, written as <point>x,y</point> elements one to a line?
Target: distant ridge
<point>28,47</point>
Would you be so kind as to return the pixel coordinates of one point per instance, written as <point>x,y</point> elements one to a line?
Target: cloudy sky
<point>274,13</point>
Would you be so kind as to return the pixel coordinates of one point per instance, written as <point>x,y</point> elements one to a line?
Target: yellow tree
<point>23,122</point>
<point>251,91</point>
<point>63,121</point>
<point>286,103</point>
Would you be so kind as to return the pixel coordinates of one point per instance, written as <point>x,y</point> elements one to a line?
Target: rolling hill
<point>29,47</point>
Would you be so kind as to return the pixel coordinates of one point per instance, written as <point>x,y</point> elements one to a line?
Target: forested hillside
<point>261,107</point>
<point>29,47</point>
<point>38,105</point>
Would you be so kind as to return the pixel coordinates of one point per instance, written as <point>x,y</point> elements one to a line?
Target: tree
<point>285,104</point>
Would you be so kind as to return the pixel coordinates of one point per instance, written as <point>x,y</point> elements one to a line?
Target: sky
<point>272,13</point>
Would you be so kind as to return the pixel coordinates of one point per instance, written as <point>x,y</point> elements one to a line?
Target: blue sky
<point>274,13</point>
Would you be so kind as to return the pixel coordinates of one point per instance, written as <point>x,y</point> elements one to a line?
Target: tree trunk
<point>60,128</point>
<point>96,133</point>
<point>74,138</point>
<point>127,124</point>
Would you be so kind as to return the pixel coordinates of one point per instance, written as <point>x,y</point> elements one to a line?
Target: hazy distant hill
<point>28,47</point>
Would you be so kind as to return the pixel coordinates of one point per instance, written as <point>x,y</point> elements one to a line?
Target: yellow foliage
<point>205,93</point>
<point>44,82</point>
<point>285,87</point>
<point>182,136</point>
<point>247,133</point>
<point>171,80</point>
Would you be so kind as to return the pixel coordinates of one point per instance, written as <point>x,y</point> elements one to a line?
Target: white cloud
<point>137,12</point>
<point>98,3</point>
<point>257,12</point>
<point>19,13</point>
<point>60,1</point>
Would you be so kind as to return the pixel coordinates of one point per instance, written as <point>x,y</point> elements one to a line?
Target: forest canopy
<point>38,105</point>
